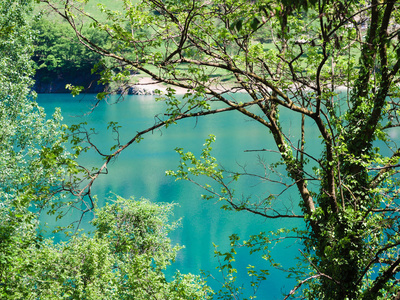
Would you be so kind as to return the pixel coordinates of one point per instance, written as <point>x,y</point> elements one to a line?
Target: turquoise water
<point>140,171</point>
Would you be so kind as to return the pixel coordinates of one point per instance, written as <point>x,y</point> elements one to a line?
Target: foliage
<point>57,49</point>
<point>331,64</point>
<point>59,56</point>
<point>33,159</point>
<point>123,259</point>
<point>33,156</point>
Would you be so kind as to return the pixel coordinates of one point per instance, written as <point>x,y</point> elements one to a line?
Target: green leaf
<point>254,23</point>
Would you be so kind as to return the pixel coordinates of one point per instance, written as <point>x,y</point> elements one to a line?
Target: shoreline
<point>143,86</point>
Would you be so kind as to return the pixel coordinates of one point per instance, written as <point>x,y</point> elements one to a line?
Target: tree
<point>33,161</point>
<point>125,256</point>
<point>332,64</point>
<point>123,259</point>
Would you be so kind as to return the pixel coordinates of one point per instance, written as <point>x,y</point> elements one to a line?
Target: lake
<point>140,172</point>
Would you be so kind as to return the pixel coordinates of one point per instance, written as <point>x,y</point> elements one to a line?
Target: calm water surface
<point>140,172</point>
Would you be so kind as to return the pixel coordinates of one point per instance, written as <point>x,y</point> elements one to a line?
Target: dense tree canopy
<point>59,58</point>
<point>334,64</point>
